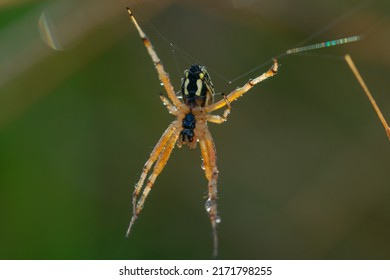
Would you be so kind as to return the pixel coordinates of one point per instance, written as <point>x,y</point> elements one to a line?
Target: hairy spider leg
<point>171,108</point>
<point>210,166</point>
<point>160,164</point>
<point>220,119</point>
<point>242,90</point>
<point>160,153</point>
<point>164,77</point>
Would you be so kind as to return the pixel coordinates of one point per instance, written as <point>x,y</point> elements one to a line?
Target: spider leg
<point>157,63</point>
<point>160,164</point>
<point>209,161</point>
<point>220,119</point>
<point>171,108</point>
<point>242,90</point>
<point>156,154</point>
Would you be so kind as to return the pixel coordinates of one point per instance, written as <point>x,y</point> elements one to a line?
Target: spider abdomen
<point>187,133</point>
<point>197,88</point>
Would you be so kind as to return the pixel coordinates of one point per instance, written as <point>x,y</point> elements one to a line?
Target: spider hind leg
<point>164,77</point>
<point>235,94</point>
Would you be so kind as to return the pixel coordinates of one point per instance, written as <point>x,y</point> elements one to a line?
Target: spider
<point>189,128</point>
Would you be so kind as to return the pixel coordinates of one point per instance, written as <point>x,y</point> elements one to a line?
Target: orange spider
<point>189,128</point>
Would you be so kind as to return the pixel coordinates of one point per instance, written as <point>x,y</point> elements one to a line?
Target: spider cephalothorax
<point>190,128</point>
<point>188,123</point>
<point>196,87</point>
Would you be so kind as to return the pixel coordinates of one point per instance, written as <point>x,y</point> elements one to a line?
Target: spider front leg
<point>160,153</point>
<point>160,164</point>
<point>242,90</point>
<point>209,162</point>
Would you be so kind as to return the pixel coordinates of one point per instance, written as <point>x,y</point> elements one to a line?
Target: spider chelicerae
<point>189,128</point>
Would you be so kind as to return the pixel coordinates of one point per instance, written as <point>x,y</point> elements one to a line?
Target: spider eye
<point>201,76</point>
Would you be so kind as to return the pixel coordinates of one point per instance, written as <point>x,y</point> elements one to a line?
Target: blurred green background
<point>303,160</point>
